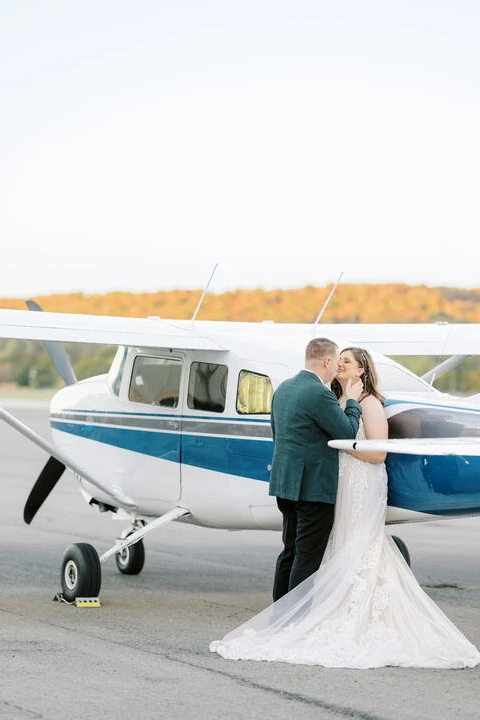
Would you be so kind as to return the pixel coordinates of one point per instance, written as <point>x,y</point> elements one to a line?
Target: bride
<point>363,608</point>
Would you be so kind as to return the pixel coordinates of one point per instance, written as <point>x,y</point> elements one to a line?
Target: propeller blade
<point>57,353</point>
<point>46,481</point>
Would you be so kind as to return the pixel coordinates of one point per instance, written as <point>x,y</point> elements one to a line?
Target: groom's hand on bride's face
<point>353,390</point>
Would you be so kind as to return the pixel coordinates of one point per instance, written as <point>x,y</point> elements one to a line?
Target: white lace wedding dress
<point>363,608</point>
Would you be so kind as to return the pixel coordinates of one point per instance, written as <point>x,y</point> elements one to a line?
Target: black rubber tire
<point>130,560</point>
<point>81,574</point>
<point>403,549</point>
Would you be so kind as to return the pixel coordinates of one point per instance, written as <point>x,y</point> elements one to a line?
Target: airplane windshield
<point>395,378</point>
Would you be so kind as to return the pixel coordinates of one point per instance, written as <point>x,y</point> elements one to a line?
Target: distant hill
<point>26,363</point>
<point>368,303</point>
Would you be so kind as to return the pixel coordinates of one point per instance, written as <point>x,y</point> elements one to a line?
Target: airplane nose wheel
<point>130,559</point>
<point>81,575</point>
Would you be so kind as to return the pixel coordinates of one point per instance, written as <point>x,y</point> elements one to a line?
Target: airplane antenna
<point>204,293</point>
<point>327,300</point>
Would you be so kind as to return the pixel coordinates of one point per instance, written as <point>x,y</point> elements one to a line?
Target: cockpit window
<point>156,381</point>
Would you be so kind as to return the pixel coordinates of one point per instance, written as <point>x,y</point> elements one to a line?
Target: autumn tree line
<point>27,363</point>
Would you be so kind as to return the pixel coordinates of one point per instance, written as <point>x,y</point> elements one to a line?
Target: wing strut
<point>444,367</point>
<point>47,482</point>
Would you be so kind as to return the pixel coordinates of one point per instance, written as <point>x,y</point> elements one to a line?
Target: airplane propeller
<point>53,468</point>
<point>57,353</point>
<point>44,485</point>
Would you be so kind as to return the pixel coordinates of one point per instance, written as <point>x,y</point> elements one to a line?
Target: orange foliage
<point>380,303</point>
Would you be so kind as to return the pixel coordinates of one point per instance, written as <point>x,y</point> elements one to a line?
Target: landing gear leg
<point>131,558</point>
<point>81,570</point>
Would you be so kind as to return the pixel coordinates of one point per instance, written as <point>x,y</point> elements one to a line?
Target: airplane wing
<point>410,339</point>
<point>104,330</point>
<point>460,446</point>
<point>387,339</point>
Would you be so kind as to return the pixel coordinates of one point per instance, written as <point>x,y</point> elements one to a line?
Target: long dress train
<point>363,608</point>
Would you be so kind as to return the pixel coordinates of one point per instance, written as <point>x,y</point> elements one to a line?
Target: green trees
<point>26,363</point>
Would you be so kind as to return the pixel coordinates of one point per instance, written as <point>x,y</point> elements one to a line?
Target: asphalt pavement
<point>144,651</point>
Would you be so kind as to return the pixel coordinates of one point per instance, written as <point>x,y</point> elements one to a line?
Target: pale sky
<point>143,142</point>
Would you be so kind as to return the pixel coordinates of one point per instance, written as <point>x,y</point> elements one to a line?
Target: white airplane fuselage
<point>218,464</point>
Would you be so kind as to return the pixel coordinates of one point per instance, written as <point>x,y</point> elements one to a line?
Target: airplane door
<point>155,391</point>
<point>205,435</point>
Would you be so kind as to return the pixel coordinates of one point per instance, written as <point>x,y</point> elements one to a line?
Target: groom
<point>304,477</point>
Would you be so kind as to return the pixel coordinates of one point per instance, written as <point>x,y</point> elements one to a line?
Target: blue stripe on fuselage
<point>239,456</point>
<point>430,484</point>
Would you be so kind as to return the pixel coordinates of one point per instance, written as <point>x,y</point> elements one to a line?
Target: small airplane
<point>179,427</point>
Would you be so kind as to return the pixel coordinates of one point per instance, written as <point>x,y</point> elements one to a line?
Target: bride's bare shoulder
<point>371,403</point>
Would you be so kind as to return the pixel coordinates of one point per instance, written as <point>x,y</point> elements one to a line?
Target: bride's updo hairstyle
<point>369,377</point>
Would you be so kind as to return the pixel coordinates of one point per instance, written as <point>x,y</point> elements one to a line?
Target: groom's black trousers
<point>306,528</point>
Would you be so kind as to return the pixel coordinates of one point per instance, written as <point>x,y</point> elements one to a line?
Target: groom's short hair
<point>320,348</point>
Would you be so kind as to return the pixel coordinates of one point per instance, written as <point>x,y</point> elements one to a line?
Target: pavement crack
<point>335,710</point>
<point>11,708</point>
<point>448,586</point>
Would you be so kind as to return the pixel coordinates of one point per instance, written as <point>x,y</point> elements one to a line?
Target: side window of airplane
<point>207,386</point>
<point>114,377</point>
<point>254,393</point>
<point>156,381</point>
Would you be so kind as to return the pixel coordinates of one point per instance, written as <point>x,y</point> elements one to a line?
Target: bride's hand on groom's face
<point>353,390</point>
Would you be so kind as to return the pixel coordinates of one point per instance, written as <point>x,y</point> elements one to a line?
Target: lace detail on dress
<point>357,483</point>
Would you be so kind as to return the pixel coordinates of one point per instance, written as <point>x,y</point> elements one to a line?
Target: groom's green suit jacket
<point>305,416</point>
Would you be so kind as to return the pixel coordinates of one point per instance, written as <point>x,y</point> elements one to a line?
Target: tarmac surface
<point>145,653</point>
